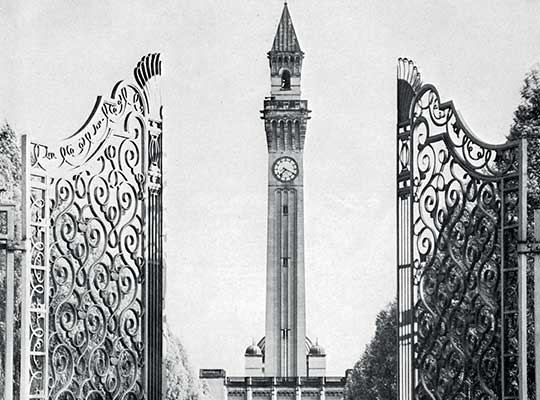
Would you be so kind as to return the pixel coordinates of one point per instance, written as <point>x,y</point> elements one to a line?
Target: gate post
<point>7,237</point>
<point>409,81</point>
<point>34,278</point>
<point>25,345</point>
<point>522,270</point>
<point>537,302</point>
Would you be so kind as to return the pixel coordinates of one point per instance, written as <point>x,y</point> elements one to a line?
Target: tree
<point>181,383</point>
<point>527,123</point>
<point>10,192</point>
<point>374,376</point>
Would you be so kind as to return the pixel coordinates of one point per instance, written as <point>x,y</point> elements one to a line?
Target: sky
<point>59,55</point>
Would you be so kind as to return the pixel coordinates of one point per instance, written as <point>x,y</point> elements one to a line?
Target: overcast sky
<point>57,56</point>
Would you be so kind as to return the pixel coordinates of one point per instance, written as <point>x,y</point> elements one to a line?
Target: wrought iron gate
<point>92,319</point>
<point>461,282</point>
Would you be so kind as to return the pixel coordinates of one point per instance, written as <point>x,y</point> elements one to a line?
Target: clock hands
<point>284,170</point>
<point>288,170</point>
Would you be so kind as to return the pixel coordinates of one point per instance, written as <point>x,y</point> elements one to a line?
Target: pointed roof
<point>286,39</point>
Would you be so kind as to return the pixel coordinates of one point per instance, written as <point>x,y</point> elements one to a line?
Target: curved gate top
<point>92,306</point>
<point>461,211</point>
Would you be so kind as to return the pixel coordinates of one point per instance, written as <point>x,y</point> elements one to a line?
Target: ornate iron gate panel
<point>460,215</point>
<point>93,312</point>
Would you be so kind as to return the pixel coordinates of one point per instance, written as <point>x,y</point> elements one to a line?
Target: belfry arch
<point>286,79</point>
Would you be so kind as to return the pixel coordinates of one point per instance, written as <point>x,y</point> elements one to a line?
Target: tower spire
<point>285,39</point>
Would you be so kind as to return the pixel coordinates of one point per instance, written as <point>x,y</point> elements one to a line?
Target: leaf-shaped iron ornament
<point>408,83</point>
<point>147,74</point>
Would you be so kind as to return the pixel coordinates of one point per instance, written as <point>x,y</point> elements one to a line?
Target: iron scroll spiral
<point>463,222</point>
<point>97,269</point>
<point>91,273</point>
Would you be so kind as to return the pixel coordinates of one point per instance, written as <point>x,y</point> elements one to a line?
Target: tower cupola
<point>254,360</point>
<point>286,60</point>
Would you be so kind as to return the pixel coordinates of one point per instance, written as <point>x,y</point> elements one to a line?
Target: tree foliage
<point>527,124</point>
<point>10,157</point>
<point>374,376</point>
<point>527,115</point>
<point>10,192</point>
<point>181,383</point>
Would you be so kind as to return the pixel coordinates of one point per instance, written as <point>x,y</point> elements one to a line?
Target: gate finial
<point>409,81</point>
<point>147,72</point>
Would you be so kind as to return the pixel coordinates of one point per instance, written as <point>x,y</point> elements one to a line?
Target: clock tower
<point>285,116</point>
<point>284,364</point>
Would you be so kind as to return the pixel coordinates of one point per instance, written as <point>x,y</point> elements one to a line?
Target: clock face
<point>285,169</point>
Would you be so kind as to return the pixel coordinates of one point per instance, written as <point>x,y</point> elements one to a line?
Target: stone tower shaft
<point>285,116</point>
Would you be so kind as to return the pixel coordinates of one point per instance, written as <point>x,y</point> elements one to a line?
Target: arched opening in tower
<point>286,80</point>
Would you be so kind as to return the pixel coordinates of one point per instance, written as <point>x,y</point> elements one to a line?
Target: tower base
<point>221,387</point>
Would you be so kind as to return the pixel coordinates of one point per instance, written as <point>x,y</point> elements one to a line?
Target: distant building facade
<point>285,363</point>
<point>267,388</point>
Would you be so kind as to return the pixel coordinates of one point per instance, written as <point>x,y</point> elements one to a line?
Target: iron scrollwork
<point>99,186</point>
<point>462,223</point>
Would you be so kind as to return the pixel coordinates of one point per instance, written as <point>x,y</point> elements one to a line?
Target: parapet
<point>212,373</point>
<point>273,388</point>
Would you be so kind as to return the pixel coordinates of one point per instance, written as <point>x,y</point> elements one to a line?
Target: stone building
<point>285,363</point>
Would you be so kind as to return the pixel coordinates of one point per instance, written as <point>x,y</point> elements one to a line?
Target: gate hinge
<point>528,247</point>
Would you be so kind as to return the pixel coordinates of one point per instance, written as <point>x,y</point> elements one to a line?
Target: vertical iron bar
<point>502,266</point>
<point>398,269</point>
<point>46,285</point>
<point>146,287</point>
<point>404,206</point>
<point>537,304</point>
<point>522,272</point>
<point>10,317</point>
<point>154,295</point>
<point>6,241</point>
<point>24,378</point>
<point>411,267</point>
